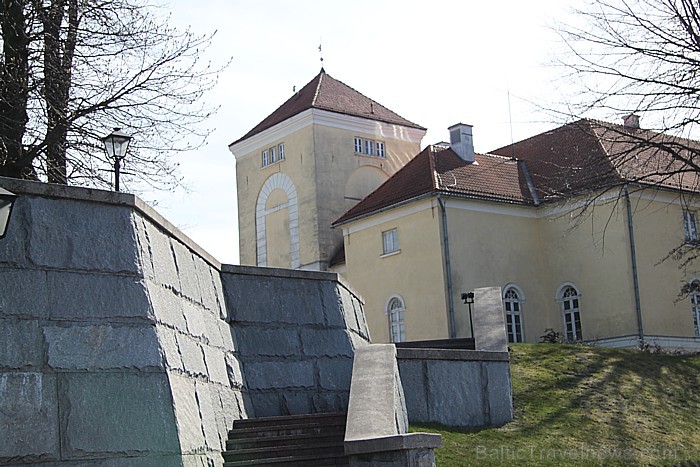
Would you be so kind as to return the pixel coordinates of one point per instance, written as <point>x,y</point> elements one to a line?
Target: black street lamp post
<point>116,144</point>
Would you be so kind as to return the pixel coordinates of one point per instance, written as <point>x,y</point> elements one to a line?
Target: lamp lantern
<point>7,201</point>
<point>116,144</point>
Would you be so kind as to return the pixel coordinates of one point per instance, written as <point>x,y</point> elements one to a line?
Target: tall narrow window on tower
<point>280,151</point>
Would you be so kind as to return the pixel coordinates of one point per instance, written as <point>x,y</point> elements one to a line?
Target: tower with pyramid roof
<point>308,162</point>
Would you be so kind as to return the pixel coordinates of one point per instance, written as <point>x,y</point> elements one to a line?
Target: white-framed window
<point>513,305</point>
<point>570,300</point>
<point>390,241</point>
<point>695,305</point>
<point>280,151</point>
<point>395,310</point>
<point>380,149</point>
<point>368,147</point>
<point>690,226</point>
<point>273,154</point>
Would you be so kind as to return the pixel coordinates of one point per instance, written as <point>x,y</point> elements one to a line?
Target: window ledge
<point>391,253</point>
<point>371,156</point>
<point>273,163</point>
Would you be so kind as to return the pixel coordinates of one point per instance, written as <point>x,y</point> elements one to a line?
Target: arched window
<point>513,305</point>
<point>395,310</point>
<point>570,304</point>
<point>695,305</point>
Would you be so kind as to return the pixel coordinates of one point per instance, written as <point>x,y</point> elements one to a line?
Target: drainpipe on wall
<point>633,255</point>
<point>448,268</point>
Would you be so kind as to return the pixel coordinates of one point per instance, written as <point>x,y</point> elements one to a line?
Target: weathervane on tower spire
<point>320,52</point>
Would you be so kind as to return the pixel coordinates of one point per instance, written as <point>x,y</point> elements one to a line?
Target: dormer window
<point>368,147</point>
<point>273,154</point>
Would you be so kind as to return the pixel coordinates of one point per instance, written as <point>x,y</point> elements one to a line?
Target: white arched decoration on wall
<point>282,182</point>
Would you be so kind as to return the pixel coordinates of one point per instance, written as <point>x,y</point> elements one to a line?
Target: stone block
<point>296,403</point>
<point>213,331</point>
<point>82,235</point>
<point>326,342</point>
<point>335,373</point>
<point>233,370</point>
<point>216,364</point>
<point>116,413</point>
<point>187,272</point>
<point>499,393</point>
<point>143,247</point>
<point>347,308</point>
<point>21,345</point>
<point>279,374</point>
<point>332,304</point>
<point>194,317</point>
<point>166,306</point>
<point>415,388</point>
<point>489,321</point>
<point>29,425</point>
<point>404,458</point>
<point>209,407</point>
<point>266,404</point>
<point>187,414</point>
<point>227,335</point>
<point>164,268</point>
<point>145,460</point>
<point>90,296</point>
<point>207,288</point>
<point>23,293</point>
<point>103,347</point>
<point>328,402</point>
<point>232,407</point>
<point>266,299</point>
<point>264,341</point>
<point>192,355</point>
<point>169,348</point>
<point>455,393</point>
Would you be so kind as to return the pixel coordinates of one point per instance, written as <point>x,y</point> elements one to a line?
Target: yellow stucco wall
<point>415,274</point>
<point>537,249</point>
<point>321,162</point>
<point>250,178</point>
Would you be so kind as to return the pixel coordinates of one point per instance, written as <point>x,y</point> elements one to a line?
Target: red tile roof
<point>570,160</point>
<point>439,170</point>
<point>327,93</point>
<point>589,154</point>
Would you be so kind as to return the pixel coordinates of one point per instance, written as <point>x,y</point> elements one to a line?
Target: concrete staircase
<point>295,440</point>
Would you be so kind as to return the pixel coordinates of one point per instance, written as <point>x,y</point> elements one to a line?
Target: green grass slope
<point>577,405</point>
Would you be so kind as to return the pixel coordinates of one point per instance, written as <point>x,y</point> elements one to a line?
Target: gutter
<point>633,255</point>
<point>448,270</point>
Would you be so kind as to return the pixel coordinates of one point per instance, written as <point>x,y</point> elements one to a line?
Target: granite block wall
<point>117,342</point>
<point>297,332</point>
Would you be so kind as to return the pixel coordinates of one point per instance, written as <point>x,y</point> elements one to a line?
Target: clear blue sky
<point>436,63</point>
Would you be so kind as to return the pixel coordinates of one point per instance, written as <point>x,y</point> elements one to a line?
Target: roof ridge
<point>318,87</point>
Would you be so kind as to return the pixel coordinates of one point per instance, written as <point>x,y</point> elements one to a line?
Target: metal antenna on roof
<point>510,121</point>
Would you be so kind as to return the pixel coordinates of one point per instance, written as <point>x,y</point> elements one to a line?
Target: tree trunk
<point>14,89</point>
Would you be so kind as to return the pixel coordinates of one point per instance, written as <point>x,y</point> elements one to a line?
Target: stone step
<point>301,440</point>
<point>306,449</point>
<point>336,435</point>
<point>294,461</point>
<point>291,420</point>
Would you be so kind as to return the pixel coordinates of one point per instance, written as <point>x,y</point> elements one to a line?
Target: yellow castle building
<point>583,227</point>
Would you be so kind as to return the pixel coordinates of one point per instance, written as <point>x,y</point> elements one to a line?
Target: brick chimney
<point>631,121</point>
<point>461,141</point>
